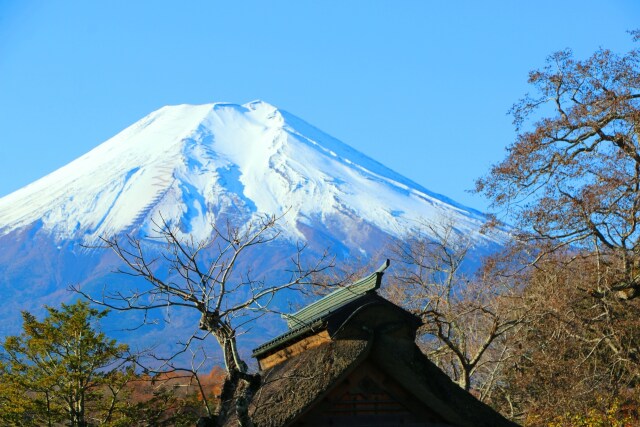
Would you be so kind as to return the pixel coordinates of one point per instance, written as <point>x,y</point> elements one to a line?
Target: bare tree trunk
<point>239,386</point>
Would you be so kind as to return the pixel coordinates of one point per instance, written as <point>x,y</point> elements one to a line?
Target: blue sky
<point>421,86</point>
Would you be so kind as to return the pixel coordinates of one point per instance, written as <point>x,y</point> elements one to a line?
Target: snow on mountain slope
<point>197,165</point>
<point>192,164</point>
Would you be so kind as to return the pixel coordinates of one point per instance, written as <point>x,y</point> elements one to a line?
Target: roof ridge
<point>314,315</point>
<point>336,298</point>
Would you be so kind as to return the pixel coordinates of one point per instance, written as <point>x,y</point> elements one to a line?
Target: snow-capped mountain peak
<point>193,163</point>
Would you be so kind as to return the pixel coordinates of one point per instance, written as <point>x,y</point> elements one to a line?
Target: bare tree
<point>467,315</point>
<point>206,277</point>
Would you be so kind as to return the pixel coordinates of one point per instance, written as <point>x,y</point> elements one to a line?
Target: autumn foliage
<point>570,182</point>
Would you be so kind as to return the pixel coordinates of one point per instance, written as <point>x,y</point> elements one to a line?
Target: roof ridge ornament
<point>337,298</point>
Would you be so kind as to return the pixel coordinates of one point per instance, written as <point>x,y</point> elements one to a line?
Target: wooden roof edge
<point>287,336</point>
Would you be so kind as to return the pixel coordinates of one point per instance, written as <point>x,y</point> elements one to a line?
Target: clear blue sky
<point>421,86</point>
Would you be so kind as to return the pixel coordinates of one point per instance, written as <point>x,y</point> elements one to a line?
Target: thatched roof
<point>350,338</point>
<point>290,388</point>
<point>415,372</point>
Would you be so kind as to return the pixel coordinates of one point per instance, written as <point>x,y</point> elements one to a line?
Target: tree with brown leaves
<point>575,354</point>
<point>572,176</point>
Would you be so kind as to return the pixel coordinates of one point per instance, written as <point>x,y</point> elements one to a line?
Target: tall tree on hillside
<point>61,369</point>
<point>572,176</point>
<point>205,277</point>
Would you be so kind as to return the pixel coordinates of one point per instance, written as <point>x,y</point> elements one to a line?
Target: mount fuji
<point>196,165</point>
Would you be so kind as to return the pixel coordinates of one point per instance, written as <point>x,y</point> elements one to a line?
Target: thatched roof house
<point>350,359</point>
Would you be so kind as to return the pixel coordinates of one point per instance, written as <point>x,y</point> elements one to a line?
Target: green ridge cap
<point>336,299</point>
<point>312,316</point>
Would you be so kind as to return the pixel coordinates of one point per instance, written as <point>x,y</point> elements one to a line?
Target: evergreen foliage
<point>62,370</point>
